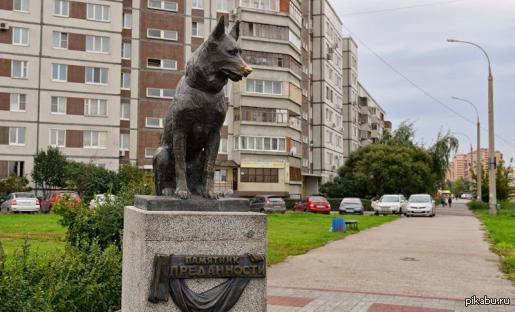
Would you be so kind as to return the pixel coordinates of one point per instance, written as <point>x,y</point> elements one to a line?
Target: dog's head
<point>225,54</point>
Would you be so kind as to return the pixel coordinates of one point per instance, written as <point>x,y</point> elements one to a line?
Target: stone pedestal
<point>149,231</point>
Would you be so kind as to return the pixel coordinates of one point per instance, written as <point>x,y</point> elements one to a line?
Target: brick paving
<point>284,299</point>
<point>453,262</point>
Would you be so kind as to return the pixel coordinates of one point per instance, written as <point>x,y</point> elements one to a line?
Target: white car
<point>21,202</point>
<point>466,196</point>
<point>389,204</point>
<point>99,200</point>
<point>420,205</point>
<point>351,205</point>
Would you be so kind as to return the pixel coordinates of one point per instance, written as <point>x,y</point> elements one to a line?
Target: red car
<point>316,204</point>
<point>56,196</point>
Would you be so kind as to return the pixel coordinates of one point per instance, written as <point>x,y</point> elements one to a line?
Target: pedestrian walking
<point>442,201</point>
<point>450,202</point>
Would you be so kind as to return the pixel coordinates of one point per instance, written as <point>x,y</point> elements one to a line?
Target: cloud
<point>414,42</point>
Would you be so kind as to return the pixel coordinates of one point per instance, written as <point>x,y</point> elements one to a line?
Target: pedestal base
<point>148,233</point>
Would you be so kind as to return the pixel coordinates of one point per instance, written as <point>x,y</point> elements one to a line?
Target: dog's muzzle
<point>245,70</point>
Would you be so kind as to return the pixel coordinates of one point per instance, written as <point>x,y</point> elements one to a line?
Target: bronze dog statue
<point>185,162</point>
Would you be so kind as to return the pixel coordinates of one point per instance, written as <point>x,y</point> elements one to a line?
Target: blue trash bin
<point>338,225</point>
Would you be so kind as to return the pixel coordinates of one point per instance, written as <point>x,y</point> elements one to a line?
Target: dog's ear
<point>235,30</point>
<point>219,30</point>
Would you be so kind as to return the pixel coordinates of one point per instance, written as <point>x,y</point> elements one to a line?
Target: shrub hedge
<point>477,205</point>
<point>72,281</point>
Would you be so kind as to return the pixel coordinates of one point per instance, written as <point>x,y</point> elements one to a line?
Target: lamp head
<point>452,40</point>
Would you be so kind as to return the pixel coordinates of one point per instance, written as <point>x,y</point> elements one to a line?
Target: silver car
<point>100,199</point>
<point>21,202</point>
<point>389,204</point>
<point>267,204</point>
<point>351,205</point>
<point>420,205</point>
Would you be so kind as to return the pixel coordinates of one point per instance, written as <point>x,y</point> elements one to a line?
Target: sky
<point>411,36</point>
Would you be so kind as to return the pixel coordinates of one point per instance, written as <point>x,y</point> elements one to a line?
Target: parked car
<point>49,202</point>
<point>267,203</point>
<point>21,202</point>
<point>351,205</point>
<point>100,199</point>
<point>316,204</point>
<point>466,196</point>
<point>420,205</point>
<point>395,203</point>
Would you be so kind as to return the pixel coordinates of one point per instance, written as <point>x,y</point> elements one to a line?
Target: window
<point>18,102</point>
<point>264,86</point>
<point>61,8</point>
<point>222,149</point>
<point>126,80</point>
<point>59,72</point>
<point>16,136</point>
<point>162,34</point>
<point>152,122</point>
<point>19,69</point>
<point>127,20</point>
<point>197,4</point>
<point>124,141</point>
<point>95,107</point>
<point>21,5</point>
<point>269,5</point>
<point>15,168</point>
<point>162,64</point>
<point>261,144</point>
<point>160,93</point>
<point>97,44</point>
<point>259,175</point>
<point>197,29</point>
<point>295,13</point>
<point>95,139</point>
<point>59,40</point>
<point>162,5</point>
<point>96,75</point>
<point>264,31</point>
<point>150,152</point>
<point>222,5</point>
<point>294,39</point>
<point>57,137</point>
<point>58,105</point>
<point>125,111</point>
<point>98,12</point>
<point>20,36</point>
<point>126,50</point>
<point>220,175</point>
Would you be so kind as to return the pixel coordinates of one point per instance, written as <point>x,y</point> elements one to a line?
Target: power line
<point>416,86</point>
<point>402,8</point>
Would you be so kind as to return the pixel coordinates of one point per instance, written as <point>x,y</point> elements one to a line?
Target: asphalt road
<point>446,257</point>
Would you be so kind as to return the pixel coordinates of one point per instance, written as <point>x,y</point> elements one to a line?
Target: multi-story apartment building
<point>327,91</point>
<point>462,164</point>
<point>59,81</point>
<point>370,118</point>
<point>96,77</point>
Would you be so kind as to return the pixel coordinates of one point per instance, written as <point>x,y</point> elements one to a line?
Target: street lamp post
<point>492,164</point>
<point>479,168</point>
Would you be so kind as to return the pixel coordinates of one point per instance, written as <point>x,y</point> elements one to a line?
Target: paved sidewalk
<point>417,262</point>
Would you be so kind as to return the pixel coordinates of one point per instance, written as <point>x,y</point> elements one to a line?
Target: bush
<point>290,203</point>
<point>103,225</point>
<point>335,203</point>
<point>477,205</point>
<point>13,184</point>
<point>72,281</point>
<point>367,204</point>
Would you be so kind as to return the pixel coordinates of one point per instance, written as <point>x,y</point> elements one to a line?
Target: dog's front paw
<point>210,194</point>
<point>168,191</point>
<point>182,193</point>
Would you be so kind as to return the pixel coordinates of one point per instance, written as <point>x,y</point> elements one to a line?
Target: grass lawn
<point>296,233</point>
<point>41,231</point>
<point>501,229</point>
<point>288,234</point>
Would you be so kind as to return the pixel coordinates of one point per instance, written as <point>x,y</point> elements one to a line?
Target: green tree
<point>49,169</point>
<point>440,155</point>
<point>379,169</point>
<point>402,136</point>
<point>88,180</point>
<point>502,183</point>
